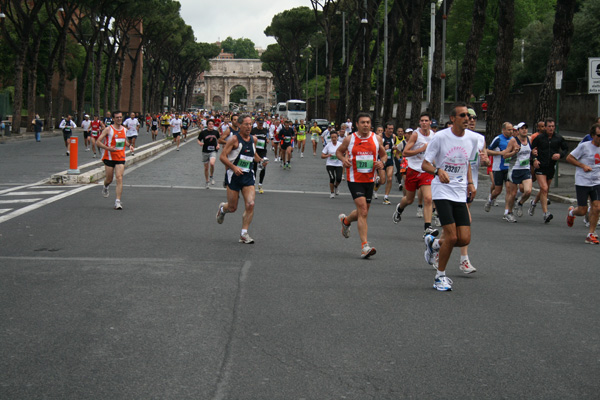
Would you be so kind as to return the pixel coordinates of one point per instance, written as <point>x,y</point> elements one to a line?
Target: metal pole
<point>343,37</point>
<point>443,88</point>
<point>557,131</point>
<point>316,79</point>
<point>348,64</point>
<point>431,49</point>
<point>385,48</point>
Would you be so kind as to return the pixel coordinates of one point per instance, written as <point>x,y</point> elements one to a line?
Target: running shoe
<point>549,202</point>
<point>592,238</point>
<point>260,190</point>
<point>118,205</point>
<point>105,191</point>
<point>400,187</point>
<point>331,195</point>
<point>377,180</point>
<point>134,154</point>
<point>386,201</point>
<point>375,195</point>
<point>212,181</point>
<point>207,185</point>
<point>548,217</point>
<point>495,203</point>
<point>220,213</point>
<point>246,239</point>
<point>94,155</point>
<point>345,228</point>
<point>436,220</point>
<point>431,231</point>
<point>518,210</point>
<point>466,267</point>
<point>586,220</point>
<point>488,206</point>
<point>337,191</point>
<point>301,155</point>
<point>531,208</point>
<point>509,218</point>
<point>442,283</point>
<point>419,212</point>
<point>570,219</point>
<point>429,252</point>
<point>397,216</point>
<point>367,251</point>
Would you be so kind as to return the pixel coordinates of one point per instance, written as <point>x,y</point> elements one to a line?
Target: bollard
<point>73,156</point>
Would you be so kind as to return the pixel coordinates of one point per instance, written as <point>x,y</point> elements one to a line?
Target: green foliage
<point>238,93</point>
<point>240,48</point>
<point>586,39</point>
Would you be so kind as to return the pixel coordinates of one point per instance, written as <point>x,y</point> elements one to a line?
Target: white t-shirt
<point>348,128</point>
<point>86,124</point>
<point>452,154</point>
<point>330,148</point>
<point>176,125</point>
<point>326,136</point>
<point>475,164</point>
<point>131,124</point>
<point>588,154</point>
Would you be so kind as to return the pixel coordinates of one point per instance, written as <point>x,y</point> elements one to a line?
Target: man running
<point>550,147</point>
<point>176,124</point>
<point>287,134</point>
<point>86,124</point>
<point>209,140</point>
<point>501,155</point>
<point>185,124</point>
<point>388,143</point>
<point>301,137</point>
<point>238,156</point>
<point>519,172</point>
<point>416,178</point>
<point>447,158</point>
<point>586,159</point>
<point>132,124</point>
<point>67,125</point>
<point>333,165</point>
<point>113,140</point>
<point>261,133</point>
<point>315,133</point>
<point>358,153</point>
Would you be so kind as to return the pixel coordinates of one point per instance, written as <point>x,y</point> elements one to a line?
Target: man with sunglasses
<point>448,158</point>
<point>586,157</point>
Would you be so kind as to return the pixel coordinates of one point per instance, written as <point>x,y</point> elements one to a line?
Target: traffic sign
<point>558,81</point>
<point>594,75</point>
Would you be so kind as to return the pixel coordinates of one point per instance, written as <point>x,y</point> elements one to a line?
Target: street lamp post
<point>316,79</point>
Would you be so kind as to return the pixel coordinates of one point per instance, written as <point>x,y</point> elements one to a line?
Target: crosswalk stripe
<point>19,201</point>
<point>5,210</point>
<point>37,193</point>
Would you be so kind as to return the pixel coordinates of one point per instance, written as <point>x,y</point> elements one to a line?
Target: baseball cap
<point>408,130</point>
<point>521,125</point>
<point>434,123</point>
<point>260,119</point>
<point>472,112</point>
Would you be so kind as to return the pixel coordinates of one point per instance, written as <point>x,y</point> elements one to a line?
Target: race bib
<point>210,148</point>
<point>455,171</point>
<point>364,164</point>
<point>524,163</point>
<point>333,157</point>
<point>389,153</point>
<point>260,144</point>
<point>119,144</point>
<point>287,139</point>
<point>244,163</point>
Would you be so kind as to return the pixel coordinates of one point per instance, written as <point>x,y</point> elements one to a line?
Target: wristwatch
<point>435,171</point>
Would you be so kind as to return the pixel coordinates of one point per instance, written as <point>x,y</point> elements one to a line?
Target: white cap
<point>520,125</point>
<point>408,130</point>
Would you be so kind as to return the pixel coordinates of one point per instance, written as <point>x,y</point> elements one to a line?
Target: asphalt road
<point>159,301</point>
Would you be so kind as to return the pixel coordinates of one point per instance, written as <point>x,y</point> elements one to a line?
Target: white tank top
<point>415,162</point>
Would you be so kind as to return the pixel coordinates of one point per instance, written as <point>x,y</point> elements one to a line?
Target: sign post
<point>594,78</point>
<point>558,83</point>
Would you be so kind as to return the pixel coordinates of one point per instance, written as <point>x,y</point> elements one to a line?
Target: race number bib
<point>119,144</point>
<point>210,148</point>
<point>364,164</point>
<point>524,163</point>
<point>389,153</point>
<point>244,163</point>
<point>260,144</point>
<point>287,139</point>
<point>333,157</point>
<point>455,170</point>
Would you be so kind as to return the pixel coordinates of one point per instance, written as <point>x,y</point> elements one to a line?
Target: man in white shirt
<point>132,125</point>
<point>176,123</point>
<point>86,125</point>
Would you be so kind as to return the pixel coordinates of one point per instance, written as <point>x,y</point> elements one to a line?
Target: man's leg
<point>454,236</point>
<point>427,203</point>
<point>206,164</point>
<point>108,175</point>
<point>248,192</point>
<point>360,214</point>
<point>511,193</point>
<point>389,171</point>
<point>543,182</point>
<point>119,171</point>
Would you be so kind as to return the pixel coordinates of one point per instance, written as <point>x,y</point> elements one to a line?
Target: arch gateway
<point>226,74</point>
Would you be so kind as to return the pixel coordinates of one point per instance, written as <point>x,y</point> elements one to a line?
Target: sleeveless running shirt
<point>415,162</point>
<point>115,138</point>
<point>243,156</point>
<point>363,155</point>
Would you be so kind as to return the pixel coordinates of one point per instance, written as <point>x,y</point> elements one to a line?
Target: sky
<point>235,18</point>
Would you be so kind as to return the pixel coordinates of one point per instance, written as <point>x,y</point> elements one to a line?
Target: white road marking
<point>5,210</point>
<point>36,193</point>
<point>19,201</point>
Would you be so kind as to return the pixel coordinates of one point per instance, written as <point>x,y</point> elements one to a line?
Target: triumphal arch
<point>227,74</point>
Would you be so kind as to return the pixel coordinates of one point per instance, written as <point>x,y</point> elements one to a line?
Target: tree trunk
<point>435,103</point>
<point>506,22</point>
<point>403,86</point>
<point>81,85</point>
<point>18,97</point>
<point>32,75</point>
<point>415,12</point>
<point>395,50</point>
<point>97,77</point>
<point>62,76</point>
<point>559,53</point>
<point>469,65</point>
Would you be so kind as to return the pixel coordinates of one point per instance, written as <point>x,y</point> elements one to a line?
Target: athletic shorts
<point>95,134</point>
<point>86,134</point>
<point>548,171</point>
<point>500,177</point>
<point>154,128</point>
<point>300,137</point>
<point>207,156</point>
<point>286,145</point>
<point>237,183</point>
<point>452,212</point>
<point>415,179</point>
<point>67,135</point>
<point>583,192</point>
<point>175,134</point>
<point>519,175</point>
<point>131,137</point>
<point>112,163</point>
<point>314,138</point>
<point>335,173</point>
<point>389,162</point>
<point>361,189</point>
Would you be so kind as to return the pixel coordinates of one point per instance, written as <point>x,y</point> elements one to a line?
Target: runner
<point>550,148</point>
<point>148,122</point>
<point>209,140</point>
<point>262,139</point>
<point>416,178</point>
<point>238,156</point>
<point>185,124</point>
<point>113,140</point>
<point>388,143</point>
<point>586,159</point>
<point>132,124</point>
<point>448,158</point>
<point>519,172</point>
<point>501,155</point>
<point>96,126</point>
<point>164,123</point>
<point>154,127</point>
<point>333,165</point>
<point>315,133</point>
<point>107,121</point>
<point>176,124</point>
<point>87,130</point>
<point>67,125</point>
<point>227,133</point>
<point>301,138</point>
<point>287,134</point>
<point>358,153</point>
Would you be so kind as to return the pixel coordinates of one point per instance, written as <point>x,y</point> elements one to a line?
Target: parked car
<point>321,123</point>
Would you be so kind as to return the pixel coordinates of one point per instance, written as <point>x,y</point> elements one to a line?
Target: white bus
<point>292,110</point>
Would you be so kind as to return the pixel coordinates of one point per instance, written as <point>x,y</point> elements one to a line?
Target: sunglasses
<point>462,115</point>
<point>472,117</point>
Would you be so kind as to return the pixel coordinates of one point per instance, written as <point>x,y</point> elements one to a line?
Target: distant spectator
<point>38,125</point>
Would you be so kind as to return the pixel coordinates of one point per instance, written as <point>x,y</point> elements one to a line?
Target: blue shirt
<point>499,143</point>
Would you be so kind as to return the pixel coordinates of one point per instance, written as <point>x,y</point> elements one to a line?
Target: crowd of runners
<point>437,166</point>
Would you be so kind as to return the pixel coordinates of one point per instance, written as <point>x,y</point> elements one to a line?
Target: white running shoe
<point>518,210</point>
<point>467,267</point>
<point>345,228</point>
<point>375,195</point>
<point>488,205</point>
<point>212,181</point>
<point>337,191</point>
<point>443,283</point>
<point>431,231</point>
<point>246,239</point>
<point>509,218</point>
<point>220,213</point>
<point>531,210</point>
<point>118,205</point>
<point>331,195</point>
<point>419,212</point>
<point>367,251</point>
<point>429,252</point>
<point>436,220</point>
<point>105,191</point>
<point>397,215</point>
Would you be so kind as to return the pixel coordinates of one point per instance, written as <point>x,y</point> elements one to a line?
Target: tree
<point>559,53</point>
<point>469,65</point>
<point>240,48</point>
